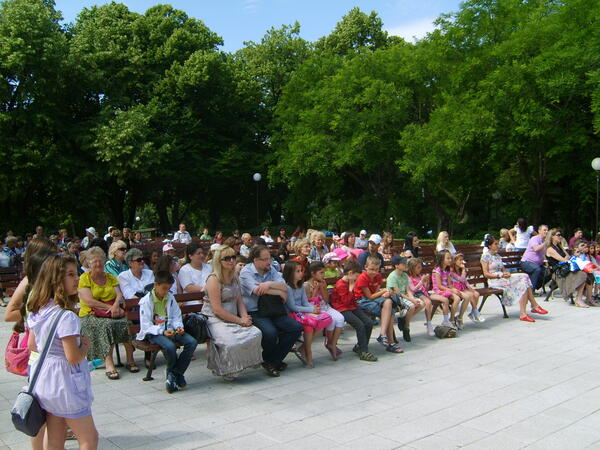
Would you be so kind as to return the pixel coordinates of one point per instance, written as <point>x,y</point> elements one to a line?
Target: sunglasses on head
<point>228,258</point>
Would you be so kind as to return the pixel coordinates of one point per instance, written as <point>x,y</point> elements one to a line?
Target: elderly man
<point>90,234</point>
<point>182,235</point>
<point>278,333</point>
<point>246,245</point>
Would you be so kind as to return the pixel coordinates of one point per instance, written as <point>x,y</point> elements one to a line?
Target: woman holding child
<point>235,344</point>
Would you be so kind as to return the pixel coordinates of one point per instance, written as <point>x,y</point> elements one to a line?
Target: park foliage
<point>493,115</point>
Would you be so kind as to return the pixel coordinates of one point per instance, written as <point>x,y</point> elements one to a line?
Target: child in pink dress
<point>418,285</point>
<point>63,385</point>
<point>442,285</point>
<point>469,295</point>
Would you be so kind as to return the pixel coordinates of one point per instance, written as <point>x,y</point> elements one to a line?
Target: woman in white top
<point>443,243</point>
<point>267,236</point>
<point>522,234</point>
<point>170,264</point>
<point>192,276</point>
<point>134,281</point>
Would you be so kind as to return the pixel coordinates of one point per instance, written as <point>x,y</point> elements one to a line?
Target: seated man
<point>182,235</point>
<point>532,261</point>
<point>278,333</point>
<point>372,250</point>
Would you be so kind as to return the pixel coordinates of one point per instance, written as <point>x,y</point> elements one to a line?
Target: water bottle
<point>95,363</point>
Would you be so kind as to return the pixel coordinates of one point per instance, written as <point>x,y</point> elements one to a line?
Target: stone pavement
<point>504,384</point>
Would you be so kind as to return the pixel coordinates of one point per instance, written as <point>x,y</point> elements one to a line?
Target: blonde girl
<point>443,243</point>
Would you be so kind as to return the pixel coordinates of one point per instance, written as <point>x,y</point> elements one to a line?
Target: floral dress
<point>514,287</point>
<point>442,289</point>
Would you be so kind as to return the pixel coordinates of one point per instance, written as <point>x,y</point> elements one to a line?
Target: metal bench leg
<point>148,376</point>
<point>482,303</point>
<point>503,307</point>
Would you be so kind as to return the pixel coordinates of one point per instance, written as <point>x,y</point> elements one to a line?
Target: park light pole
<point>596,167</point>
<point>257,177</point>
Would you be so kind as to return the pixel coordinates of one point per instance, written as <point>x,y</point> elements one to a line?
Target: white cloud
<point>251,5</point>
<point>412,31</point>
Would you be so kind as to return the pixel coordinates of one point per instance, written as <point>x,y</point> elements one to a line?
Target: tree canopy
<point>493,115</point>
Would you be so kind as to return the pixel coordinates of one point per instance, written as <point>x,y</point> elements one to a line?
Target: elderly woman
<point>318,249</point>
<point>516,286</point>
<point>302,250</point>
<point>102,318</point>
<point>133,282</point>
<point>235,344</point>
<point>116,254</point>
<point>568,282</point>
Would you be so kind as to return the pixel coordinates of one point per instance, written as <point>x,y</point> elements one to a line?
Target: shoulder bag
<point>270,306</point>
<point>27,414</point>
<point>16,356</point>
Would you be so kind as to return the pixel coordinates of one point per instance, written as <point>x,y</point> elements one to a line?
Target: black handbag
<point>270,306</point>
<point>27,414</point>
<point>562,270</point>
<point>196,325</point>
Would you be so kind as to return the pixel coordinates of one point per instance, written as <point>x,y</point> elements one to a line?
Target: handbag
<point>104,313</point>
<point>27,414</point>
<point>270,306</point>
<point>196,325</point>
<point>313,320</point>
<point>16,356</point>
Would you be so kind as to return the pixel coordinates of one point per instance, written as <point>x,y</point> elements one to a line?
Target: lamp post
<point>596,167</point>
<point>257,177</point>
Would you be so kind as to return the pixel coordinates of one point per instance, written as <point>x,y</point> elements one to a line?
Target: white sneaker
<point>430,331</point>
<point>475,316</point>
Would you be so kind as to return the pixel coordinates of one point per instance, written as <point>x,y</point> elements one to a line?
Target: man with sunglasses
<point>532,262</point>
<point>137,281</point>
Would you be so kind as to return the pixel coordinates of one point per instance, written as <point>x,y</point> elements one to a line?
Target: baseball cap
<point>397,259</point>
<point>168,247</point>
<point>331,256</point>
<point>363,232</point>
<point>90,230</point>
<point>341,253</point>
<point>375,238</point>
<point>336,237</point>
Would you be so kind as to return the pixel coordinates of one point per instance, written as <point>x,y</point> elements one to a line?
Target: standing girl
<point>417,287</point>
<point>64,386</point>
<point>442,286</point>
<point>467,292</point>
<point>300,310</point>
<point>316,290</point>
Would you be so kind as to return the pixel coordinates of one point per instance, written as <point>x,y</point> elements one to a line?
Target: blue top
<point>298,301</point>
<point>362,259</point>
<point>249,278</point>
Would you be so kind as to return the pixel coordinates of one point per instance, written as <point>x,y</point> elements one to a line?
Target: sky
<point>237,21</point>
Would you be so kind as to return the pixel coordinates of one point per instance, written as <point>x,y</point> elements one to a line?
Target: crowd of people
<point>260,304</point>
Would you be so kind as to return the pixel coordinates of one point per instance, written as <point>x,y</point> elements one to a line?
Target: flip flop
<point>300,356</point>
<point>112,375</point>
<point>133,368</point>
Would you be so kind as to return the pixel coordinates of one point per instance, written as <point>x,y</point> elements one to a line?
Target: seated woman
<point>101,315</point>
<point>507,240</point>
<point>318,249</point>
<point>137,239</point>
<point>302,250</point>
<point>411,245</point>
<point>516,286</point>
<point>573,281</point>
<point>116,262</point>
<point>281,237</point>
<point>443,243</point>
<point>235,344</point>
<point>194,274</point>
<point>385,248</point>
<point>170,264</point>
<point>133,282</point>
<point>348,241</point>
<point>150,258</point>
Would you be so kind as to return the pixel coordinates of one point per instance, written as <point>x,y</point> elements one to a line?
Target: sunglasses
<point>123,249</point>
<point>228,258</point>
<point>558,234</point>
<point>138,260</point>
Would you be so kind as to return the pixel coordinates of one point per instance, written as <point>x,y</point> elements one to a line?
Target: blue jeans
<point>535,272</point>
<point>175,365</point>
<point>278,336</point>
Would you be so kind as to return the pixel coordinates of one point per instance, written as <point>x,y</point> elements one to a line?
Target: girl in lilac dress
<point>63,387</point>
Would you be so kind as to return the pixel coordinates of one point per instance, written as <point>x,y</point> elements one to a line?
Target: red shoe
<point>527,318</point>
<point>539,310</point>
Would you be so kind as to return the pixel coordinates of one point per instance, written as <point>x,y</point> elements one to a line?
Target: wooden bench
<point>189,303</point>
<point>10,277</point>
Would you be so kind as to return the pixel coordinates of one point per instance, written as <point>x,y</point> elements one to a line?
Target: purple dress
<point>63,389</point>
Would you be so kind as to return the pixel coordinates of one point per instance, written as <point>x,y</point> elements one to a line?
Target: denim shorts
<point>372,306</point>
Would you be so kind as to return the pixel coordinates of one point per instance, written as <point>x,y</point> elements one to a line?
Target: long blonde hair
<point>219,253</point>
<point>50,284</point>
<point>440,241</point>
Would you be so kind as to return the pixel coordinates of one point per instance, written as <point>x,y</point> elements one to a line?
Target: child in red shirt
<point>375,300</point>
<point>342,299</point>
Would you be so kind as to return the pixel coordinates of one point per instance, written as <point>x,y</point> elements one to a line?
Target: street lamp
<point>257,177</point>
<point>596,167</point>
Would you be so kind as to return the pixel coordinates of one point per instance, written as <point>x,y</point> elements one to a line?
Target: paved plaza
<point>503,384</point>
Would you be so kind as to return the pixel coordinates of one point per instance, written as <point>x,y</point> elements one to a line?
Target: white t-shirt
<point>129,284</point>
<point>450,248</point>
<point>523,237</point>
<point>267,239</point>
<point>188,275</point>
<point>182,236</point>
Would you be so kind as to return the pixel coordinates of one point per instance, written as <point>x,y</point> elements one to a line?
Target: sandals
<point>299,355</point>
<point>112,374</point>
<point>133,368</point>
<point>368,356</point>
<point>393,348</point>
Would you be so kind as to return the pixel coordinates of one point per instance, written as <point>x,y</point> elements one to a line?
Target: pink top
<point>416,280</point>
<point>444,275</point>
<point>459,280</point>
